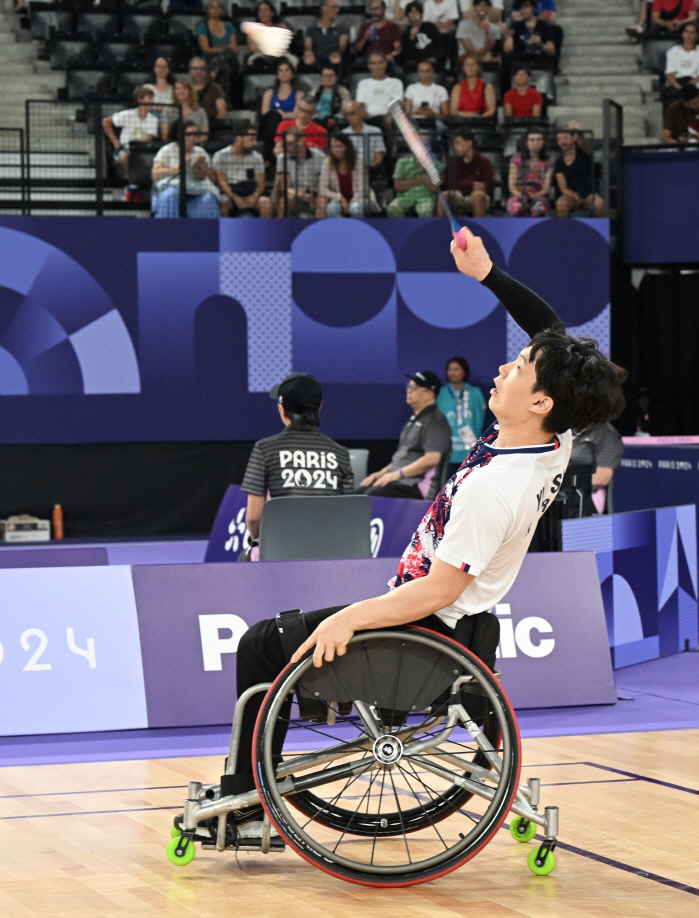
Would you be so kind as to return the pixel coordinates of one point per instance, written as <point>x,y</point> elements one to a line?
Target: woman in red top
<point>523,101</point>
<point>472,98</point>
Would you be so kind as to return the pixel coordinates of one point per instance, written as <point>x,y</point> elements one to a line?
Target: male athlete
<point>470,545</point>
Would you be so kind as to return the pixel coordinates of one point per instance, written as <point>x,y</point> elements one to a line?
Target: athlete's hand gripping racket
<point>424,157</point>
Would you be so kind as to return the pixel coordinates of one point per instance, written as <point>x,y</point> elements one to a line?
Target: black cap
<point>299,392</point>
<point>427,379</point>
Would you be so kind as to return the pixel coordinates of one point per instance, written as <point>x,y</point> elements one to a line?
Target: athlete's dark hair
<point>309,417</point>
<point>585,386</point>
<point>463,363</point>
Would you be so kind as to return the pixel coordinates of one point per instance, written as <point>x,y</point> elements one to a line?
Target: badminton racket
<point>271,40</point>
<point>424,157</point>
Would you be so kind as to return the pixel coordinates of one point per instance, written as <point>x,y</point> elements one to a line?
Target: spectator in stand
<point>530,37</point>
<point>681,123</point>
<point>299,399</point>
<point>161,84</point>
<point>415,469</point>
<point>464,408</point>
<point>415,193</point>
<point>472,98</point>
<point>316,135</point>
<point>545,9</point>
<point>186,96</point>
<point>284,98</point>
<point>137,124</point>
<point>210,94</point>
<point>376,92</point>
<point>575,176</point>
<point>531,174</point>
<point>326,41</point>
<point>421,41</point>
<point>298,176</point>
<point>495,14</point>
<point>443,13</point>
<point>257,61</point>
<point>470,178</point>
<point>682,63</point>
<point>367,138</point>
<point>203,197</point>
<point>477,35</point>
<point>219,45</point>
<point>341,186</point>
<point>378,34</point>
<point>523,101</point>
<point>668,16</point>
<point>426,99</point>
<point>240,172</point>
<point>330,97</point>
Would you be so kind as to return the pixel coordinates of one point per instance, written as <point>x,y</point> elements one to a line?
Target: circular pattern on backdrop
<point>545,245</point>
<point>432,287</point>
<point>343,272</point>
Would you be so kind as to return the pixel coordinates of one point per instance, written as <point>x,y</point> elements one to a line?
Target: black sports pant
<point>261,657</point>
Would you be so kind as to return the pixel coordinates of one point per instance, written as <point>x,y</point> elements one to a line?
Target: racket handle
<point>461,240</point>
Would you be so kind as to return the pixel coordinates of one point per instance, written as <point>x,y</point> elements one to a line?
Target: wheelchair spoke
<point>421,804</point>
<point>350,781</point>
<point>454,809</point>
<point>395,694</point>
<point>400,816</point>
<point>347,827</point>
<point>378,815</point>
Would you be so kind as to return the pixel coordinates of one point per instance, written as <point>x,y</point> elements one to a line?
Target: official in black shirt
<point>300,461</point>
<point>423,449</point>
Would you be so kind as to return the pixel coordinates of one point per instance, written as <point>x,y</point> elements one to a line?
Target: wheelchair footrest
<point>249,844</point>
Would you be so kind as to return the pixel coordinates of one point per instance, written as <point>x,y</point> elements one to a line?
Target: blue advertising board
<point>135,330</point>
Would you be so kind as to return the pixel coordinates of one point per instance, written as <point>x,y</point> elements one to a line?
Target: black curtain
<point>625,308</point>
<point>132,489</point>
<point>668,341</point>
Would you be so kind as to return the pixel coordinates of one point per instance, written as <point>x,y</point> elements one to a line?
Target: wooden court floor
<point>88,840</point>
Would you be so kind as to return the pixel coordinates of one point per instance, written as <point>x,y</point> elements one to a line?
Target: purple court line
<point>116,790</point>
<point>631,774</point>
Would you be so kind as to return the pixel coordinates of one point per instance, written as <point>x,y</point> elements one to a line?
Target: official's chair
<point>359,460</point>
<point>296,528</point>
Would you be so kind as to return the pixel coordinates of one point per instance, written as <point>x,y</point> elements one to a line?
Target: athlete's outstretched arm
<point>528,310</point>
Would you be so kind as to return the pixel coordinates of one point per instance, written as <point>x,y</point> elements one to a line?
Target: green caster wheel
<point>522,833</point>
<point>175,831</point>
<point>545,868</point>
<point>179,860</point>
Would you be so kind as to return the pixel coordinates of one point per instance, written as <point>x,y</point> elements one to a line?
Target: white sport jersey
<point>483,519</point>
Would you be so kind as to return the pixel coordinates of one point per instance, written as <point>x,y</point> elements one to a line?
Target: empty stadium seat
<point>89,84</point>
<point>183,23</point>
<point>129,80</point>
<point>98,26</point>
<point>254,85</point>
<point>43,22</point>
<point>299,22</point>
<point>176,50</point>
<point>118,54</point>
<point>70,52</point>
<point>142,26</point>
<point>654,52</point>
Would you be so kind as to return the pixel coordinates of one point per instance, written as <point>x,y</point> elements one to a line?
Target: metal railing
<point>612,171</point>
<point>13,179</point>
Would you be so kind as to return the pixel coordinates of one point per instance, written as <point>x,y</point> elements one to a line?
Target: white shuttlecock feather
<point>271,40</point>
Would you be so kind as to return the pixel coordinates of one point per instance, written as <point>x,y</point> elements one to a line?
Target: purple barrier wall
<point>393,523</point>
<point>554,649</point>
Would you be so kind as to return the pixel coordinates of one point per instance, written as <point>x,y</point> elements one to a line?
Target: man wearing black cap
<point>300,461</point>
<point>423,448</point>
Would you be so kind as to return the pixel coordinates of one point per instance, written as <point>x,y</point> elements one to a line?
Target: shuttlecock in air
<point>271,40</point>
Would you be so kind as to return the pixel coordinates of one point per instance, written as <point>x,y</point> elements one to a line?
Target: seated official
<point>601,447</point>
<point>423,448</point>
<point>300,461</point>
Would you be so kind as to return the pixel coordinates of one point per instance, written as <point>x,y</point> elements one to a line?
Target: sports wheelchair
<point>391,766</point>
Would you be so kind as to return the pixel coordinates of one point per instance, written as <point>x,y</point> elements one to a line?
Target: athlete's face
<point>512,399</point>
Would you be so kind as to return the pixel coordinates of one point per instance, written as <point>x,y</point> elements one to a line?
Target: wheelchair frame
<point>204,802</point>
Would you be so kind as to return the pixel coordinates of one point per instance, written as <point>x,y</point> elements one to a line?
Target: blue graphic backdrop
<point>136,330</point>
